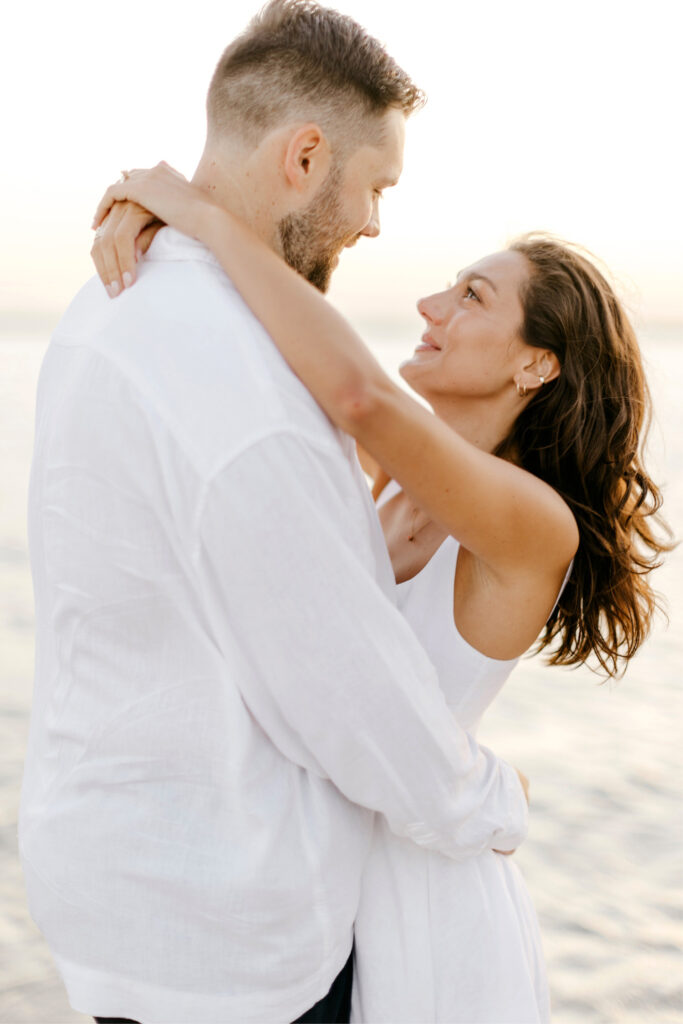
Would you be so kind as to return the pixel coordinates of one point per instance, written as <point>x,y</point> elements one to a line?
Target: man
<point>225,691</point>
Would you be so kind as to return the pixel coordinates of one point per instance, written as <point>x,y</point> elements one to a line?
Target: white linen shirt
<point>225,691</point>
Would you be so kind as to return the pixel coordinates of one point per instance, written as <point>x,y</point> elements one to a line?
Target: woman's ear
<point>548,366</point>
<point>307,158</point>
<point>544,367</point>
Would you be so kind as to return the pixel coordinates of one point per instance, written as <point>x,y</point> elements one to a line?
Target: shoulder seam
<point>321,446</point>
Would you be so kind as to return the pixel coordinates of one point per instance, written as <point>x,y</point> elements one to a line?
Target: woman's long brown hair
<point>583,434</point>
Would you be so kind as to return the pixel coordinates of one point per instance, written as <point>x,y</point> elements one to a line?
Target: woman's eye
<point>471,294</point>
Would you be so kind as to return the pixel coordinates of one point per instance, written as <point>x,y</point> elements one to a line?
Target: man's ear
<point>307,158</point>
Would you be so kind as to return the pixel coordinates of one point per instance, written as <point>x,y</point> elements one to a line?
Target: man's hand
<point>525,786</point>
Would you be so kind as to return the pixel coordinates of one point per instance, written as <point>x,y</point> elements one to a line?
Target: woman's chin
<point>412,372</point>
<point>423,356</point>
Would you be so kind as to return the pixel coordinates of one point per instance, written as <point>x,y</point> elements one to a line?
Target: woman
<point>521,508</point>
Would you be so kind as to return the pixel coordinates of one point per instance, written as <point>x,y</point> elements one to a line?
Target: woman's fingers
<point>146,237</point>
<point>104,254</point>
<point>164,192</point>
<point>126,227</point>
<point>104,206</point>
<point>119,192</point>
<point>98,260</point>
<point>134,187</point>
<point>117,242</point>
<point>124,240</point>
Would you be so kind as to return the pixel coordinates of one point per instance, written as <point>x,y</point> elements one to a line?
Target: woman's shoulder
<point>548,522</point>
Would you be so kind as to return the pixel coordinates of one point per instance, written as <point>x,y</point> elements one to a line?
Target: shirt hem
<point>104,994</point>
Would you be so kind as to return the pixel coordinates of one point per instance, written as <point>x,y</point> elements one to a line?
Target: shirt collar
<point>170,245</point>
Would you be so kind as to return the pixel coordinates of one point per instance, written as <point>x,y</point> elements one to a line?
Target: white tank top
<point>469,679</point>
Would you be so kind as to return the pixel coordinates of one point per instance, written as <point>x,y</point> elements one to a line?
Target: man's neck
<point>228,179</point>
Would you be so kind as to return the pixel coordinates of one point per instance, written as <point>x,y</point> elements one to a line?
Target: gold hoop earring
<point>522,390</point>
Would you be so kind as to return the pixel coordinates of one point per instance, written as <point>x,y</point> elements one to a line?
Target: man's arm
<point>327,664</point>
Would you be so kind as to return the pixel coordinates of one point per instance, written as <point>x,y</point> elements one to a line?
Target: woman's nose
<point>429,309</point>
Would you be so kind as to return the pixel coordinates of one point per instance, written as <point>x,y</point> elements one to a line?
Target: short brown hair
<point>296,59</point>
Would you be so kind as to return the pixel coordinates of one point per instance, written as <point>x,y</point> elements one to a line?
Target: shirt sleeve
<point>325,661</point>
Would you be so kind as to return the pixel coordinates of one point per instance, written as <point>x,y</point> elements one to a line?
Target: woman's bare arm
<point>505,516</point>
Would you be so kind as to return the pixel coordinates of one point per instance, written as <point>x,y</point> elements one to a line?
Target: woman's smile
<point>427,344</point>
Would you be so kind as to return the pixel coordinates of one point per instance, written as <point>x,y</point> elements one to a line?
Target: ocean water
<point>604,858</point>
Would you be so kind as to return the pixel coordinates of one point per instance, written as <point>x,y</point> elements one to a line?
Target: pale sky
<point>559,116</point>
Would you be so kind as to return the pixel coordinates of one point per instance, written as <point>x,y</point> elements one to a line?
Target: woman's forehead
<point>505,267</point>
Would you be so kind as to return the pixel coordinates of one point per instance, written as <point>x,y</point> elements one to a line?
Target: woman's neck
<point>485,423</point>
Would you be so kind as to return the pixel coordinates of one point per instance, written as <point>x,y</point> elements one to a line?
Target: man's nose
<point>371,229</point>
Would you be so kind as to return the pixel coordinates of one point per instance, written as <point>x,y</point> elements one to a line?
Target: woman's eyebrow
<point>475,276</point>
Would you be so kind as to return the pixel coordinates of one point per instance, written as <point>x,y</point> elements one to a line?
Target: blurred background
<point>541,115</point>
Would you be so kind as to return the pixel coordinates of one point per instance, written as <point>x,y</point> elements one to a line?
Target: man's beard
<point>312,240</point>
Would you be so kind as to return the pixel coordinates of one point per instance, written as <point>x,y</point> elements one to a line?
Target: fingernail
<point>114,289</point>
<point>127,279</point>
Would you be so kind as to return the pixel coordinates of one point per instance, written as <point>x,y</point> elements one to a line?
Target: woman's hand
<point>122,239</point>
<point>132,211</point>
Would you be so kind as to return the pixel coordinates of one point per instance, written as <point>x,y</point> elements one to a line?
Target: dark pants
<point>334,1008</point>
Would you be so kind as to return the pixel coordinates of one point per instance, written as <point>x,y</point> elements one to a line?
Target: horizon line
<point>34,321</point>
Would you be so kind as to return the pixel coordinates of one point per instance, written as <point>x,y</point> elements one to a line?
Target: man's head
<point>317,108</point>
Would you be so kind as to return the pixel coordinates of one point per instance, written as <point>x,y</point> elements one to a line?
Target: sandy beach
<point>604,859</point>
